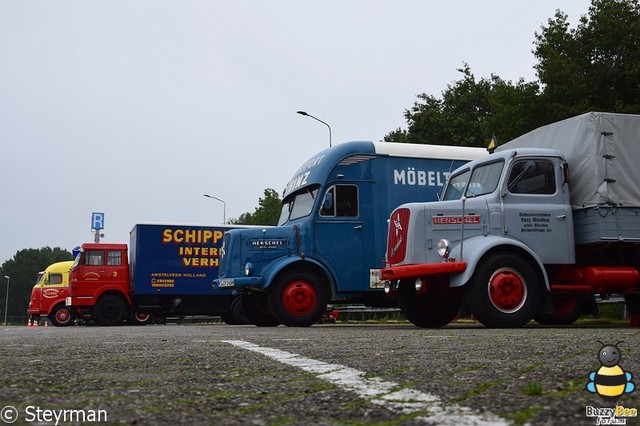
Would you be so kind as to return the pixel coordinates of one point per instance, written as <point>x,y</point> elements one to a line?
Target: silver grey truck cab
<point>508,239</point>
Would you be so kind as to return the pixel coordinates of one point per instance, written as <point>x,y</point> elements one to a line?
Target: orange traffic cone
<point>35,323</point>
<point>29,324</point>
<point>46,323</point>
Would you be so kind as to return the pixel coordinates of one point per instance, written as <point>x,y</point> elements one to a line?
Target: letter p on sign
<point>97,221</point>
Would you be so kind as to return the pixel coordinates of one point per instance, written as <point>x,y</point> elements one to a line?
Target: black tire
<point>256,310</point>
<point>504,291</point>
<point>429,309</point>
<point>298,299</point>
<point>62,315</point>
<point>136,318</point>
<point>236,315</point>
<point>633,303</point>
<point>567,309</point>
<point>109,310</point>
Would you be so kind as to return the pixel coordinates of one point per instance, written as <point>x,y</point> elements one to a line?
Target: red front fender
<point>421,270</point>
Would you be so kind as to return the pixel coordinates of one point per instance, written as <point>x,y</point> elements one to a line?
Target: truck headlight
<point>248,269</point>
<point>444,248</point>
<point>418,284</point>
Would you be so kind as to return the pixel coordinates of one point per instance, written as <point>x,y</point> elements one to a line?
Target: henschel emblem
<point>397,224</point>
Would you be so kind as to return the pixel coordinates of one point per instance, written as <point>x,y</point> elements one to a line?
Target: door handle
<point>562,216</point>
<point>357,227</point>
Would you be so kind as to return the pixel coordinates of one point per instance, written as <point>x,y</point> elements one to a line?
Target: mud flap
<point>546,302</point>
<point>633,305</point>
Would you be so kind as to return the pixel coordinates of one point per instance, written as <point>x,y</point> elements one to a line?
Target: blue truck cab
<point>331,237</point>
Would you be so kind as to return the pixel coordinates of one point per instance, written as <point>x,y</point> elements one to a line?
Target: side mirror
<point>327,202</point>
<point>566,172</point>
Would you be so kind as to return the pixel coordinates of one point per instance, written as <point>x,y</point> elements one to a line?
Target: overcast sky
<point>137,108</point>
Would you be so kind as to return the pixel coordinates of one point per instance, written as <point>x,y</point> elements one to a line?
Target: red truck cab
<point>99,283</point>
<point>49,293</point>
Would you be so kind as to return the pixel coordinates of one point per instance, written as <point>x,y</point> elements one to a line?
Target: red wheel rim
<point>63,315</point>
<point>507,290</point>
<point>142,317</point>
<point>299,298</point>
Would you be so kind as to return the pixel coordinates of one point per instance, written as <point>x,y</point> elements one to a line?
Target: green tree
<point>23,271</point>
<point>594,67</point>
<point>470,112</point>
<point>514,109</point>
<point>267,212</point>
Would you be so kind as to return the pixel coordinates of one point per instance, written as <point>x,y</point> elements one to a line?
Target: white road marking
<point>377,391</point>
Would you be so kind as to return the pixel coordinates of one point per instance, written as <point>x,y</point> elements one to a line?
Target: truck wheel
<point>236,315</point>
<point>504,291</point>
<point>136,318</point>
<point>428,309</point>
<point>109,310</point>
<point>633,303</point>
<point>566,310</point>
<point>256,310</point>
<point>61,316</point>
<point>298,299</point>
<point>633,307</point>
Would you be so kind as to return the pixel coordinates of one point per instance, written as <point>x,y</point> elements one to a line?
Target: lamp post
<point>6,302</point>
<point>224,207</point>
<point>317,119</point>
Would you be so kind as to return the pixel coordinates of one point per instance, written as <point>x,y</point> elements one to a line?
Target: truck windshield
<point>482,180</point>
<point>456,186</point>
<point>299,204</point>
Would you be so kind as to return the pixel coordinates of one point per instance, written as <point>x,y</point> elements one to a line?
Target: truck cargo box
<point>175,259</point>
<point>603,223</point>
<point>603,151</point>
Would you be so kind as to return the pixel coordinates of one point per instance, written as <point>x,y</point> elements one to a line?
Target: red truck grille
<point>397,241</point>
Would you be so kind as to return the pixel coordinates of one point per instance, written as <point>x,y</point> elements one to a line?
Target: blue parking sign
<point>97,221</point>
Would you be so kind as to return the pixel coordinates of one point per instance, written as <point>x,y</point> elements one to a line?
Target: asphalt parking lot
<point>323,375</point>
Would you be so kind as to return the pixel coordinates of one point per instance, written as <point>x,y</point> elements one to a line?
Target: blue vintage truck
<point>166,270</point>
<point>330,242</point>
<point>536,230</point>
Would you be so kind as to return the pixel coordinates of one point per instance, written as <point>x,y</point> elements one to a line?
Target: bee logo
<point>610,381</point>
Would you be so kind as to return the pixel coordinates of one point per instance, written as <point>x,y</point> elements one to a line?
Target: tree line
<point>22,271</point>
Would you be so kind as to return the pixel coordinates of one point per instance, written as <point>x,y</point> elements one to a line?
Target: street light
<point>6,302</point>
<point>317,119</point>
<point>224,207</point>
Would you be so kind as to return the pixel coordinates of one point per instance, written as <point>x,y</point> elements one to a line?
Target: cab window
<point>532,177</point>
<point>114,258</point>
<point>340,201</point>
<point>484,179</point>
<point>298,205</point>
<point>54,279</point>
<point>456,186</point>
<point>94,258</point>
